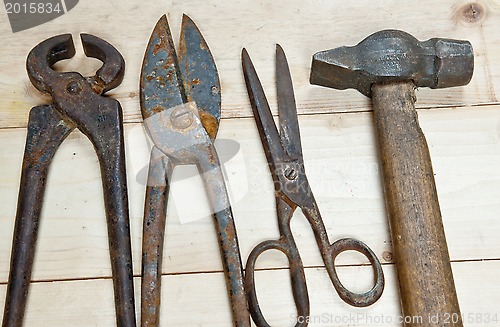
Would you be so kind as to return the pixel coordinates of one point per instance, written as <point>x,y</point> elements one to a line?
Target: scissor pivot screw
<point>74,87</point>
<point>290,173</point>
<point>182,118</point>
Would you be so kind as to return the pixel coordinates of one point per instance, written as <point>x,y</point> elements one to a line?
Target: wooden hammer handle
<point>426,283</point>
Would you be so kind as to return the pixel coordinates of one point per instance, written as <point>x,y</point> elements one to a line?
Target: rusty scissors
<point>77,103</point>
<point>181,103</point>
<point>284,155</point>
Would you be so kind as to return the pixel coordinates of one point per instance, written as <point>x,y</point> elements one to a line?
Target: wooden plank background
<point>72,285</point>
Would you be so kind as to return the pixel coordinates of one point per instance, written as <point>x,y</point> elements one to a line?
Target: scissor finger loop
<point>352,298</point>
<point>297,276</point>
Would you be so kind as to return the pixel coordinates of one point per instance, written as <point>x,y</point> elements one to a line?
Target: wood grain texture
<point>197,299</point>
<point>301,27</point>
<point>341,163</point>
<point>418,238</point>
<point>72,270</point>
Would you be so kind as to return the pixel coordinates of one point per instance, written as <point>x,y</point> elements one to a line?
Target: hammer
<point>387,66</point>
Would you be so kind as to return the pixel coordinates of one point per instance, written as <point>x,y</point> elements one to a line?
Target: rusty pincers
<point>77,102</point>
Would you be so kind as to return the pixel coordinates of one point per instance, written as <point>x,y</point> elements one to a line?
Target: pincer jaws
<point>113,68</point>
<point>42,57</point>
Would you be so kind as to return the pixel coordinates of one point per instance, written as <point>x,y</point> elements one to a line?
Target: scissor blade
<point>262,113</point>
<point>161,84</point>
<point>287,109</point>
<point>201,80</point>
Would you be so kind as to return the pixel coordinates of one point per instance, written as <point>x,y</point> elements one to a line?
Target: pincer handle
<point>105,131</point>
<point>46,131</point>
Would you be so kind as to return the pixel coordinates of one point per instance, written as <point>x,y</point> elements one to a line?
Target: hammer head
<point>390,56</point>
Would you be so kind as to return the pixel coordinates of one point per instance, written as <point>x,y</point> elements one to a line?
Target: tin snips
<point>181,103</point>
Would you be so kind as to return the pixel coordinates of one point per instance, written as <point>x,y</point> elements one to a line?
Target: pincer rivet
<point>74,87</point>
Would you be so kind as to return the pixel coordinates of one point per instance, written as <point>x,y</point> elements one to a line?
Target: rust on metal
<point>392,56</point>
<point>284,154</point>
<point>181,103</point>
<point>77,103</point>
<point>210,123</point>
